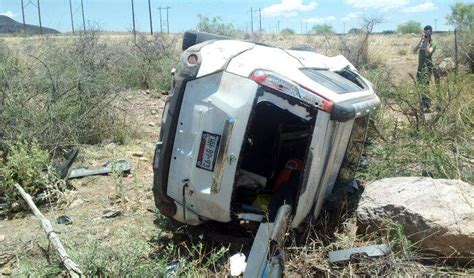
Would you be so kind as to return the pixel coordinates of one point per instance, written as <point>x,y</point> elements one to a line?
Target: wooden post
<point>456,50</point>
<point>53,238</point>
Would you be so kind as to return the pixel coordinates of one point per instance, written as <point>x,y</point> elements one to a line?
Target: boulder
<point>437,214</point>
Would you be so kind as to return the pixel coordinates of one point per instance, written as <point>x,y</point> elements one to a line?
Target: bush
<point>29,165</point>
<point>59,93</point>
<point>145,63</point>
<point>322,29</point>
<point>462,18</point>
<point>410,27</point>
<point>288,32</point>
<point>216,26</point>
<point>407,142</point>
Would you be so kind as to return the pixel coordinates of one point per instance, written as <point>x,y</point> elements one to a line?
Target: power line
<point>167,19</point>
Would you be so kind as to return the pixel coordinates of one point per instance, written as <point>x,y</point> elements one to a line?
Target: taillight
<point>272,80</point>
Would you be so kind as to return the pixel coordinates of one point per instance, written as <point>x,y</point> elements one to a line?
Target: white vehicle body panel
<point>216,55</point>
<point>207,103</point>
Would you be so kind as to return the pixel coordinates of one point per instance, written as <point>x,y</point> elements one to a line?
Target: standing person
<point>425,48</point>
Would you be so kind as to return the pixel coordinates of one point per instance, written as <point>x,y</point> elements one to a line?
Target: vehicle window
<point>339,82</point>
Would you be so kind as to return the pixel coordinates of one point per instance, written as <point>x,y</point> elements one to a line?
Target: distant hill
<point>10,26</point>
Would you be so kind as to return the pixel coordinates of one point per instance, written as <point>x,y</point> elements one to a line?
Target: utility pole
<point>133,21</point>
<point>436,23</point>
<point>251,20</point>
<point>161,24</point>
<point>278,27</point>
<point>23,15</point>
<point>260,18</point>
<point>151,22</point>
<point>72,18</point>
<point>344,30</point>
<point>83,17</point>
<point>39,18</point>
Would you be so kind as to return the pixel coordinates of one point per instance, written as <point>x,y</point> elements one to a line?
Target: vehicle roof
<point>242,58</point>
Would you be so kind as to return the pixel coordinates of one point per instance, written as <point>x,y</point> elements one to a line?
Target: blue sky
<point>115,15</point>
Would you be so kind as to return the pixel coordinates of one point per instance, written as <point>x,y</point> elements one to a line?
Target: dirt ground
<point>23,237</point>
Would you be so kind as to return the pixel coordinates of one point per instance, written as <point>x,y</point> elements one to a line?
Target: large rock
<point>438,214</point>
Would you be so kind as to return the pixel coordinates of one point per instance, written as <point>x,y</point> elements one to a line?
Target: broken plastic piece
<point>121,166</point>
<point>366,251</point>
<point>237,264</point>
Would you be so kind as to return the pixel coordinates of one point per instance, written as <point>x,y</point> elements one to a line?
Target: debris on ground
<point>118,166</point>
<point>73,268</point>
<point>436,214</point>
<point>64,219</point>
<point>358,253</point>
<point>111,213</point>
<point>138,154</point>
<point>76,203</point>
<point>237,264</point>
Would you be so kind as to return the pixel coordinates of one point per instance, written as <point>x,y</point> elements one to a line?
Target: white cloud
<point>9,14</point>
<point>320,19</point>
<point>288,8</point>
<point>383,5</point>
<point>424,7</point>
<point>352,16</point>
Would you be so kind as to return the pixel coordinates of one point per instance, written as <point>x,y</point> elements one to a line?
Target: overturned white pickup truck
<point>249,127</point>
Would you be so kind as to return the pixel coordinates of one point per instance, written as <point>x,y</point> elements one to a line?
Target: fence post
<point>456,61</point>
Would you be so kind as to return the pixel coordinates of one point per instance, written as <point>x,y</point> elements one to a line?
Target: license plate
<point>208,151</point>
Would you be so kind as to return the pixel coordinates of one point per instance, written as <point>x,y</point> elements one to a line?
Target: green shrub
<point>462,18</point>
<point>216,26</point>
<point>407,141</point>
<point>145,63</point>
<point>409,27</point>
<point>27,164</point>
<point>288,32</point>
<point>322,29</point>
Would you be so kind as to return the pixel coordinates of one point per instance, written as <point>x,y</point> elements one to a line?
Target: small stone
<point>143,159</point>
<point>64,219</point>
<point>111,213</point>
<point>2,238</point>
<point>138,154</point>
<point>153,111</point>
<point>147,91</point>
<point>151,124</point>
<point>76,203</point>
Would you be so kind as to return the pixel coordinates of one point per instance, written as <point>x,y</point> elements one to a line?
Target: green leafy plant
<point>27,164</point>
<point>322,29</point>
<point>409,27</point>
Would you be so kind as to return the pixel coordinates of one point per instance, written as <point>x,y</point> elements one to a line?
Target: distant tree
<point>462,16</point>
<point>409,27</point>
<point>216,26</point>
<point>322,29</point>
<point>355,31</point>
<point>288,31</point>
<point>388,32</point>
